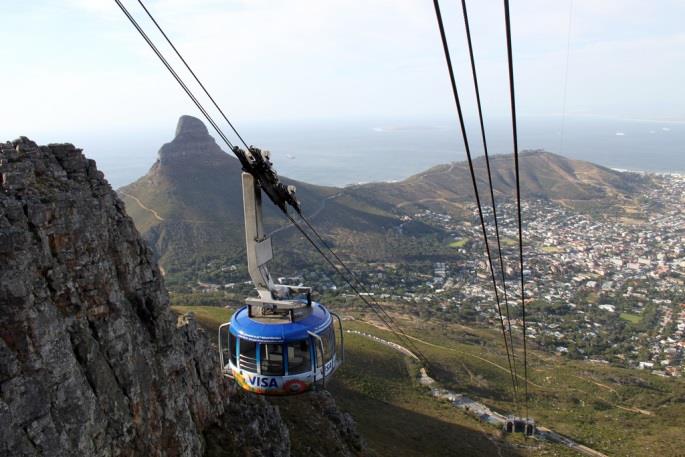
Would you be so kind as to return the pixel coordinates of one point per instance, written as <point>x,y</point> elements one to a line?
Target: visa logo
<point>262,382</point>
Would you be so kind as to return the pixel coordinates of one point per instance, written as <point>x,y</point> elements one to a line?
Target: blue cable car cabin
<point>280,342</point>
<point>280,356</point>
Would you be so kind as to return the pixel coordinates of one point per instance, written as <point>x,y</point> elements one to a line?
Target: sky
<point>77,70</point>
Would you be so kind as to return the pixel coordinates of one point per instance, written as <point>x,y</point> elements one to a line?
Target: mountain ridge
<point>190,200</point>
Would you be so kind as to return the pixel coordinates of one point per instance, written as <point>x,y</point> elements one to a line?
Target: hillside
<point>189,205</point>
<point>92,360</point>
<point>616,411</point>
<point>544,175</point>
<point>190,202</point>
<point>394,413</point>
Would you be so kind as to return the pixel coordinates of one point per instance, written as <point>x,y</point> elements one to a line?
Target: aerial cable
<point>563,103</point>
<point>353,287</point>
<point>216,105</point>
<point>230,145</point>
<point>455,93</point>
<point>173,73</point>
<point>361,286</point>
<point>492,193</point>
<point>510,59</point>
<point>168,40</point>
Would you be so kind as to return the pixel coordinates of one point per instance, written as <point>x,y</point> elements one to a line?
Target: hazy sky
<point>75,66</point>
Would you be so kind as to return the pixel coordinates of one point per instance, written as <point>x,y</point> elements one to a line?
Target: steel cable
<point>207,116</point>
<point>192,72</point>
<point>492,193</point>
<point>507,20</point>
<point>455,93</point>
<point>356,291</point>
<point>361,285</point>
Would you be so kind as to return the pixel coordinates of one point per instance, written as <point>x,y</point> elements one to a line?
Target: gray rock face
<point>92,361</point>
<point>190,126</point>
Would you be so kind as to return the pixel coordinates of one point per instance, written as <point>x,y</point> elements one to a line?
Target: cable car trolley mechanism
<point>281,342</point>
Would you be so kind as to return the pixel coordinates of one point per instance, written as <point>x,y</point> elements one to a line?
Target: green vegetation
<point>509,242</point>
<point>551,249</point>
<point>208,316</point>
<point>458,243</point>
<point>632,318</point>
<point>208,299</point>
<point>397,417</point>
<point>580,399</point>
<point>577,398</point>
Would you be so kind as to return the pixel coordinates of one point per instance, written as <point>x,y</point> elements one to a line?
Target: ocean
<point>342,153</point>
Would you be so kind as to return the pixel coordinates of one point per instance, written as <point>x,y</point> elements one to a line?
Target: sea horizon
<point>344,153</point>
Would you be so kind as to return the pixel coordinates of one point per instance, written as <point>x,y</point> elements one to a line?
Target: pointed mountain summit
<point>191,142</point>
<point>190,127</point>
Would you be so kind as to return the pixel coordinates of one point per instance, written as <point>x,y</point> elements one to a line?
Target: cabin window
<point>271,357</point>
<point>317,351</point>
<point>233,347</point>
<point>299,358</point>
<point>328,339</point>
<point>248,355</point>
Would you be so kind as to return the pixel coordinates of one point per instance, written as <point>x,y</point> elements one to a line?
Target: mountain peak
<point>191,126</point>
<point>192,143</point>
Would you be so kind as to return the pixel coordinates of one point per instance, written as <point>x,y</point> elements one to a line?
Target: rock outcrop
<point>191,143</point>
<point>92,360</point>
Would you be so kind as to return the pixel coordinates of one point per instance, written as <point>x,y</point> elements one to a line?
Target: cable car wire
<point>386,321</point>
<point>455,93</point>
<point>361,285</point>
<point>507,20</point>
<point>492,193</point>
<point>192,72</point>
<point>173,72</point>
<point>356,291</point>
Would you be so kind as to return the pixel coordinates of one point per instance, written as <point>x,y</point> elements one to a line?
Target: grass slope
<point>616,411</point>
<point>396,416</point>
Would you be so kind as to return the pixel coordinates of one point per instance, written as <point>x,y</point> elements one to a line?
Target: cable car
<point>281,342</point>
<point>520,425</point>
<point>281,354</point>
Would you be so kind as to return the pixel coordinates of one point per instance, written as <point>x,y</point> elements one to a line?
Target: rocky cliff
<point>92,361</point>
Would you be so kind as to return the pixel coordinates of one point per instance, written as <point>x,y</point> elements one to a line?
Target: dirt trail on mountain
<point>160,218</point>
<point>152,211</point>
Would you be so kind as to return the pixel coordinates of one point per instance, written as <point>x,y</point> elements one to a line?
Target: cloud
<point>296,59</point>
